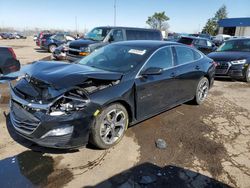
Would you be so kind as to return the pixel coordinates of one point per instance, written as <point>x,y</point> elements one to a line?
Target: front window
<point>116,58</point>
<point>161,59</point>
<point>235,45</point>
<point>97,34</point>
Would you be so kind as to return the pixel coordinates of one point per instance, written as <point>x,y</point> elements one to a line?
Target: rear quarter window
<point>4,55</point>
<point>186,55</point>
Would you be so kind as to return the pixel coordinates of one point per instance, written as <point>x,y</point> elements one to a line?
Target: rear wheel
<point>109,126</point>
<point>201,91</point>
<point>52,48</point>
<point>247,76</point>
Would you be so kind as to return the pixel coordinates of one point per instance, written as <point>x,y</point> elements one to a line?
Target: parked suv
<point>203,44</point>
<point>233,59</point>
<point>101,36</point>
<point>51,43</point>
<point>8,61</point>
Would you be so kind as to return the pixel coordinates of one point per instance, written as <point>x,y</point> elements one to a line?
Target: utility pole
<point>114,12</point>
<point>76,23</point>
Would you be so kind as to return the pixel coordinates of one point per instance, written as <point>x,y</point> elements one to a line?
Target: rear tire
<point>52,48</point>
<point>109,127</point>
<point>247,76</point>
<point>201,91</point>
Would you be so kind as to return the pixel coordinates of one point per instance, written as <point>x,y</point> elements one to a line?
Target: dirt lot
<point>207,146</point>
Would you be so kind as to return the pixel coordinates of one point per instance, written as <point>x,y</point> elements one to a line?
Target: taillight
<point>191,45</point>
<point>12,52</point>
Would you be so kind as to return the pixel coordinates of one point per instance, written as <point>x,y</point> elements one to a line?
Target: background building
<point>235,26</point>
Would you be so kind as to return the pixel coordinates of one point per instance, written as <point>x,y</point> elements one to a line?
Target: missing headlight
<point>74,100</point>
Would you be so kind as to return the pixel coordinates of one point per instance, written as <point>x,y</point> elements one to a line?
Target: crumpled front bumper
<point>33,123</point>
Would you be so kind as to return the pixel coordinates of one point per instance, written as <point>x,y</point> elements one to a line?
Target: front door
<point>156,92</point>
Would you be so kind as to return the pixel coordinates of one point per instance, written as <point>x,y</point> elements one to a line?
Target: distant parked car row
<point>233,62</point>
<point>12,36</point>
<point>65,46</point>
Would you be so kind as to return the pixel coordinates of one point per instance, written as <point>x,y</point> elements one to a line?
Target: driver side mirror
<point>152,71</point>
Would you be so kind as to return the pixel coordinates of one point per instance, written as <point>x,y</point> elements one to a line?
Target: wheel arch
<point>126,105</point>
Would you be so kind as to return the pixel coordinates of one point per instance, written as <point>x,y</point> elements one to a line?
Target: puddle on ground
<point>32,169</point>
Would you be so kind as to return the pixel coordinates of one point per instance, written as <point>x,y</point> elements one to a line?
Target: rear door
<point>189,71</point>
<point>156,92</point>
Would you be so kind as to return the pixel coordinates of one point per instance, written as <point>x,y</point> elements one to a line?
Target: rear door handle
<point>197,67</point>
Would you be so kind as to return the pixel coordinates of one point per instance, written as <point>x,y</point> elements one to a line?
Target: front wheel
<point>247,76</point>
<point>201,91</point>
<point>109,126</point>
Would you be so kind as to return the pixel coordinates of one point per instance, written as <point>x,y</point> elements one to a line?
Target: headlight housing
<point>74,100</point>
<point>85,49</point>
<point>239,62</point>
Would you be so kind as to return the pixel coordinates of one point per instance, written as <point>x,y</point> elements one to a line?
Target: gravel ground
<point>206,145</point>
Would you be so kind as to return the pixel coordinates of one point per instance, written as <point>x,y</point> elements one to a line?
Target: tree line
<point>159,21</point>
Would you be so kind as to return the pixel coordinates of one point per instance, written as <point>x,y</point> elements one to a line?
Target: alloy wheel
<point>113,126</point>
<point>203,89</point>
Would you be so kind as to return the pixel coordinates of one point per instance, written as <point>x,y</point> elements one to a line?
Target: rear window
<point>186,55</point>
<point>143,35</point>
<point>46,36</point>
<point>201,42</point>
<point>4,55</point>
<point>186,41</point>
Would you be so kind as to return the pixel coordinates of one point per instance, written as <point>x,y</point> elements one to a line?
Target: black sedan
<point>68,105</point>
<point>233,59</point>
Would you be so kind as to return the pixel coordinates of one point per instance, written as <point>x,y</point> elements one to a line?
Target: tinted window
<point>186,41</point>
<point>117,35</point>
<point>143,35</point>
<point>5,54</point>
<point>235,45</point>
<point>162,59</point>
<point>201,42</point>
<point>185,55</point>
<point>58,37</point>
<point>46,36</point>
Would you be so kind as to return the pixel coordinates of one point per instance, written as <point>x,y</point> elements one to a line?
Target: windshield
<point>116,58</point>
<point>235,45</point>
<point>97,34</point>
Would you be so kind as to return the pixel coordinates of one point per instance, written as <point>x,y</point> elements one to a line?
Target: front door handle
<point>197,67</point>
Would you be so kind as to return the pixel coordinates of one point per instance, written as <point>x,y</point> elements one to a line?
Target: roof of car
<point>192,37</point>
<point>240,38</point>
<point>147,43</point>
<point>122,27</point>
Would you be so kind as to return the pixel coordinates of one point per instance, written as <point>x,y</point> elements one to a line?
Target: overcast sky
<point>185,15</point>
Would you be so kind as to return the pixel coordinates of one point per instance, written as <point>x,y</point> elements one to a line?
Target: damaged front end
<point>52,116</point>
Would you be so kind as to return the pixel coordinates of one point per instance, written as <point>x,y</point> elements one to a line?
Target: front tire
<point>247,76</point>
<point>201,91</point>
<point>109,126</point>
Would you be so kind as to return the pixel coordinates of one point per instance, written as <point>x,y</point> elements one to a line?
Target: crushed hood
<point>64,75</point>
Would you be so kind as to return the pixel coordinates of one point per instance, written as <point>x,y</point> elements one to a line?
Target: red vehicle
<point>8,61</point>
<point>40,35</point>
